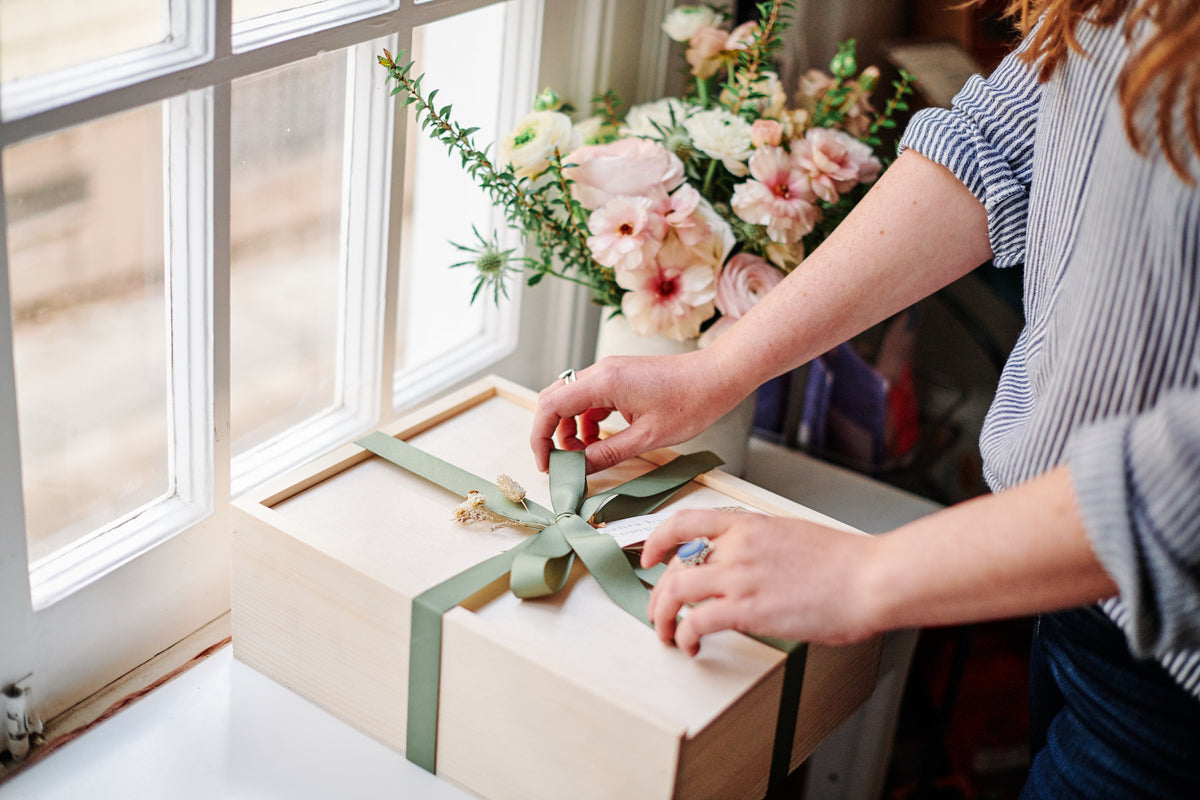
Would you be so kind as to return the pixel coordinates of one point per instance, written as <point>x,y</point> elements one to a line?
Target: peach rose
<point>630,167</point>
<point>743,282</point>
<point>704,50</point>
<point>766,133</point>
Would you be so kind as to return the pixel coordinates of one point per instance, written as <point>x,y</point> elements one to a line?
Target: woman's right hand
<point>665,399</point>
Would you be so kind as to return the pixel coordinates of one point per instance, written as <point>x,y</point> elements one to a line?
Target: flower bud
<point>547,100</point>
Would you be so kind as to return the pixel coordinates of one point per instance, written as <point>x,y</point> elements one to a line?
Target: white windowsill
<point>223,730</point>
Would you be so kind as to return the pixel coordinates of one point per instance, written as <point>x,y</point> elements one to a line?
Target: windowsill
<point>223,730</point>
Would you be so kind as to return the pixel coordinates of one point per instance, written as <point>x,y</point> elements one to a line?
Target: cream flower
<point>532,143</point>
<point>626,233</point>
<point>594,130</point>
<point>834,162</point>
<point>722,135</point>
<point>647,119</point>
<point>778,197</point>
<point>683,21</point>
<point>630,167</point>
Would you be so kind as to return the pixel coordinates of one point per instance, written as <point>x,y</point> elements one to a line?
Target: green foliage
<point>544,210</point>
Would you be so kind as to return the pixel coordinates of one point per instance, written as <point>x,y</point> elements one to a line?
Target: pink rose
<point>630,167</point>
<point>743,282</point>
<point>766,133</point>
<point>704,50</point>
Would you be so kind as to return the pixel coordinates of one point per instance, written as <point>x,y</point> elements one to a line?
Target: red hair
<point>1168,63</point>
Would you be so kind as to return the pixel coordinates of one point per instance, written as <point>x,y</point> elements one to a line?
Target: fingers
<point>681,527</point>
<point>679,588</point>
<point>717,614</point>
<point>573,411</point>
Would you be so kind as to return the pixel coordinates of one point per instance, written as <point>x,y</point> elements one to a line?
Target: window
<point>224,253</point>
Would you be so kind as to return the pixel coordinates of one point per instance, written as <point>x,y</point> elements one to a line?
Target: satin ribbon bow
<point>538,566</point>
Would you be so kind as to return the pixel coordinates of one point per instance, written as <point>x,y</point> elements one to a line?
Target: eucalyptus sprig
<point>558,236</point>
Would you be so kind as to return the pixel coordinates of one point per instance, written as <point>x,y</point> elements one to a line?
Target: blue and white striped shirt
<point>1106,373</point>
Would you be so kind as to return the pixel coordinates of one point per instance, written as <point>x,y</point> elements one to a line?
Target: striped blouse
<point>1106,373</point>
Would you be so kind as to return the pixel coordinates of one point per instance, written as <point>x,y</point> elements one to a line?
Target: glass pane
<point>286,267</point>
<point>441,202</point>
<point>85,239</point>
<point>40,36</point>
<point>249,9</point>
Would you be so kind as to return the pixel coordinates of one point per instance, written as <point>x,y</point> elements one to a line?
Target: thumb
<point>614,449</point>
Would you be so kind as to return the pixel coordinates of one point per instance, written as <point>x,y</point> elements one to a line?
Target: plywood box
<point>562,697</point>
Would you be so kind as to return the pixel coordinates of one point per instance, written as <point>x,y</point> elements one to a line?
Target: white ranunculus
<point>724,136</point>
<point>531,144</point>
<point>682,22</point>
<point>641,119</point>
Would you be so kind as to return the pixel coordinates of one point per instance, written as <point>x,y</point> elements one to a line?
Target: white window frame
<point>77,627</point>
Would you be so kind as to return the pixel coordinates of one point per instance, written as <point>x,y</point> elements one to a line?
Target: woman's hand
<point>767,575</point>
<point>665,400</point>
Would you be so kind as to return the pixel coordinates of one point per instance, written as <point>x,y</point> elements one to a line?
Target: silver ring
<point>695,552</point>
<point>567,375</point>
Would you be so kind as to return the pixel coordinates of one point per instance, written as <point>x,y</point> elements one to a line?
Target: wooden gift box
<point>562,697</point>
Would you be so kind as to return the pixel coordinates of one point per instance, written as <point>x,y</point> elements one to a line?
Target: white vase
<point>728,437</point>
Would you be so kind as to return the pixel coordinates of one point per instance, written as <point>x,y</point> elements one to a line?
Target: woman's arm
<point>1019,552</point>
<point>917,230</point>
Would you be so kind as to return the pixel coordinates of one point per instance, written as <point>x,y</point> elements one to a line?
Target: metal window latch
<point>18,723</point>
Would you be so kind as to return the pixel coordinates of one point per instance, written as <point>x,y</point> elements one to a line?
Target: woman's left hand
<point>767,575</point>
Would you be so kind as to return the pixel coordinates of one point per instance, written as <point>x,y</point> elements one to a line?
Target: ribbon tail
<point>606,561</point>
<point>646,493</point>
<point>425,650</point>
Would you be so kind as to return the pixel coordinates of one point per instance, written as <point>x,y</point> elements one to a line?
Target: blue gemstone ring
<point>695,552</point>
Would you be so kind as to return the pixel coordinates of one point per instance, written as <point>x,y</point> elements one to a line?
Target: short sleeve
<point>986,139</point>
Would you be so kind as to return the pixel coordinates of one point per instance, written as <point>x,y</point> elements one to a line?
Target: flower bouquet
<point>679,213</point>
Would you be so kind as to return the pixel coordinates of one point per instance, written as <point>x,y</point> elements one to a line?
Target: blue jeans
<point>1103,723</point>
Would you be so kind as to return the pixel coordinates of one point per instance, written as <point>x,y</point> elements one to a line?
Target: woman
<point>1078,158</point>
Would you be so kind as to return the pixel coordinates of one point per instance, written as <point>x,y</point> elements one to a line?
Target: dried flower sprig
<point>474,509</point>
<point>512,491</point>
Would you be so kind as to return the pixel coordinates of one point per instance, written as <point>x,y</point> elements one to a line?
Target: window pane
<point>40,36</point>
<point>441,202</point>
<point>286,266</point>
<point>249,9</point>
<point>85,238</point>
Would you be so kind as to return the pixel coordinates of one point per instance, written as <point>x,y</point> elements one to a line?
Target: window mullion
<point>219,202</point>
<point>364,235</point>
<point>190,190</point>
<point>16,621</point>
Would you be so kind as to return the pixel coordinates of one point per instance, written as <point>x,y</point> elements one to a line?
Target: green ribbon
<point>539,566</point>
